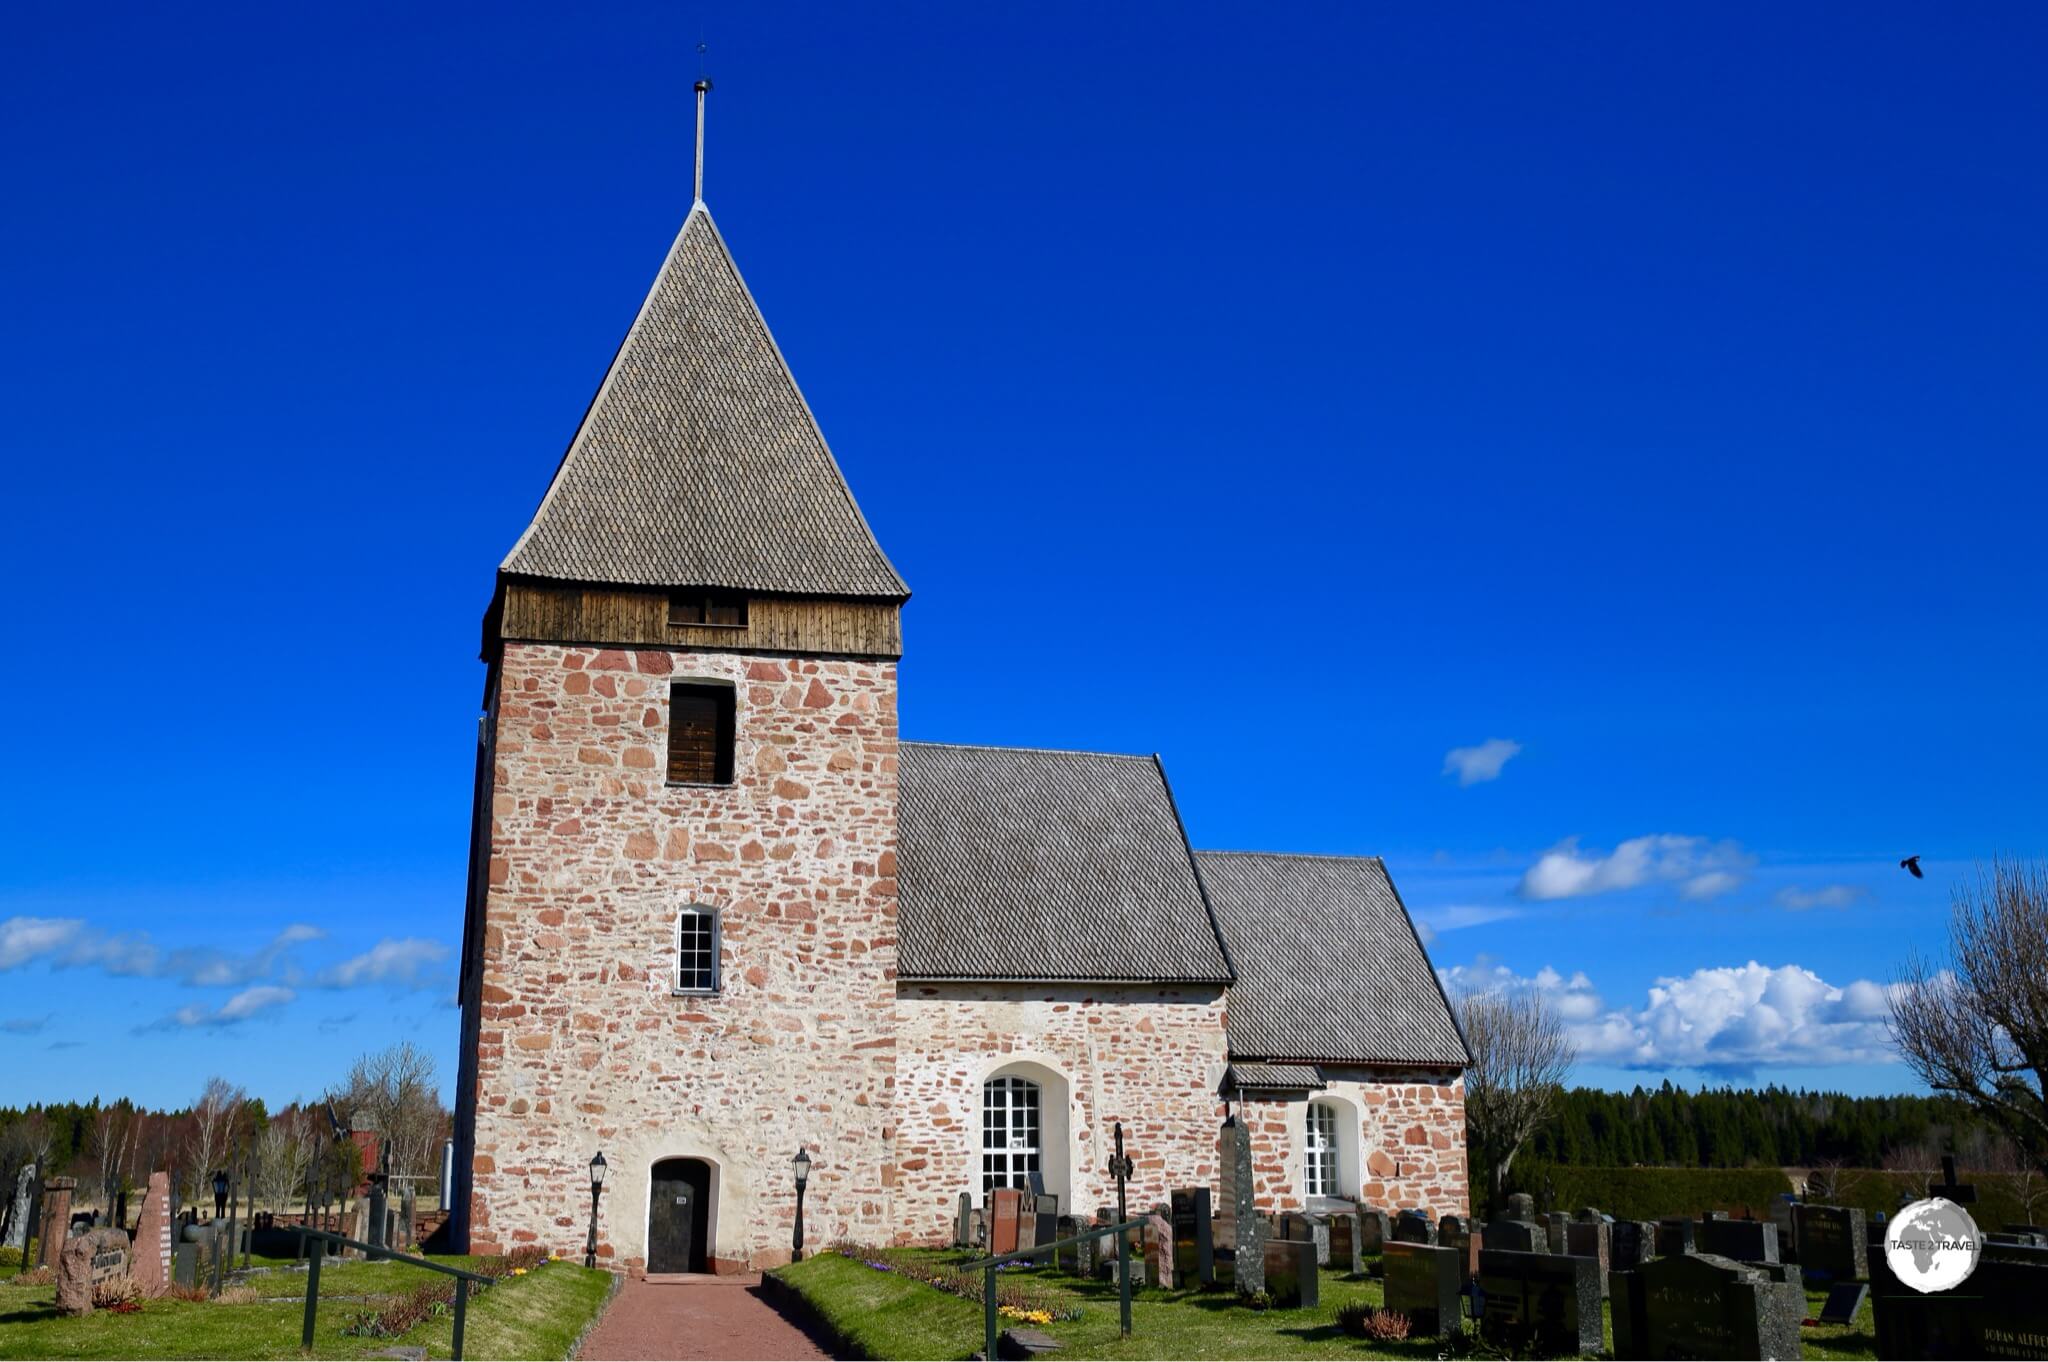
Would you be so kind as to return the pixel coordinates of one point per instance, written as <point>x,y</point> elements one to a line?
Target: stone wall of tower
<point>1149,1056</point>
<point>583,1045</point>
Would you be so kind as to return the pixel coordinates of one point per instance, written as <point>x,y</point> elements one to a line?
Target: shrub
<point>10,1256</point>
<point>1387,1326</point>
<point>35,1276</point>
<point>1255,1300</point>
<point>1653,1193</point>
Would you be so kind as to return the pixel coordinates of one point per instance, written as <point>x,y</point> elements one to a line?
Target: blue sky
<point>1658,392</point>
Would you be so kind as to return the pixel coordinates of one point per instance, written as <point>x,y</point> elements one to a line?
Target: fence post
<point>1123,1279</point>
<point>314,1246</point>
<point>988,1311</point>
<point>461,1310</point>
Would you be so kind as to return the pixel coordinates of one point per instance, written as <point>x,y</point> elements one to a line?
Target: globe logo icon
<point>1932,1245</point>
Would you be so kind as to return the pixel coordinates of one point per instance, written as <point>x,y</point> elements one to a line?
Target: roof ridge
<point>1046,751</point>
<point>1300,856</point>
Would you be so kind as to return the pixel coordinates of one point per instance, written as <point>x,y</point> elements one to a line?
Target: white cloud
<point>1730,1021</point>
<point>1464,915</point>
<point>1701,869</point>
<point>1474,765</point>
<point>1827,896</point>
<point>22,939</point>
<point>244,1005</point>
<point>407,962</point>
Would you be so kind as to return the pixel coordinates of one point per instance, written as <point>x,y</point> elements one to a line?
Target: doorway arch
<point>679,1215</point>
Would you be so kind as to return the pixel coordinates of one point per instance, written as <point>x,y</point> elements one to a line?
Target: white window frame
<point>692,916</point>
<point>1012,1132</point>
<point>1320,1150</point>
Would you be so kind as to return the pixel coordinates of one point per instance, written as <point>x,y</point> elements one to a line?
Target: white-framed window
<point>1009,1132</point>
<point>1319,1151</point>
<point>698,937</point>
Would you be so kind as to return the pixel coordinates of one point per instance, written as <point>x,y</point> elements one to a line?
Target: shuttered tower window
<point>700,721</point>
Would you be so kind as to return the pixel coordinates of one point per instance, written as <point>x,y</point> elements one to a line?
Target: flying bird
<point>1912,863</point>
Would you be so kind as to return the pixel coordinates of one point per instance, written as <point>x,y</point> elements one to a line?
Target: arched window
<point>1009,1132</point>
<point>1319,1151</point>
<point>697,944</point>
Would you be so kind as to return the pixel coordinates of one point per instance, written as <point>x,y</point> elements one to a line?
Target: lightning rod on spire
<point>703,87</point>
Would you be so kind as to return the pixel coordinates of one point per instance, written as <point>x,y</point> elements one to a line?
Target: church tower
<point>680,947</point>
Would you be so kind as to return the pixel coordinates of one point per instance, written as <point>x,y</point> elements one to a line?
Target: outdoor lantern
<point>596,1186</point>
<point>597,1167</point>
<point>802,1164</point>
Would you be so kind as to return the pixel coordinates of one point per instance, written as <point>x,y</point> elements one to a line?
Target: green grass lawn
<point>536,1316</point>
<point>887,1315</point>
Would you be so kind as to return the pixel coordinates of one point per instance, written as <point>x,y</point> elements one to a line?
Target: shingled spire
<point>699,463</point>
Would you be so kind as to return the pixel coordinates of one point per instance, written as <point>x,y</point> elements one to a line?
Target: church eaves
<point>699,463</point>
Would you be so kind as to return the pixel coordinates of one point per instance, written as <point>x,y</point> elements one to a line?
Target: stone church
<point>719,910</point>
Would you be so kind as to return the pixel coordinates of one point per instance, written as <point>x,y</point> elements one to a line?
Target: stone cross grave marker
<point>1832,1240</point>
<point>1427,1284</point>
<point>1962,1193</point>
<point>1844,1300</point>
<point>18,1210</point>
<point>1194,1252</point>
<point>1546,1302</point>
<point>1705,1306</point>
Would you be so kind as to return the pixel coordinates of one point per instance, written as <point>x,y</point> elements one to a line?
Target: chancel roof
<point>1329,968</point>
<point>699,463</point>
<point>1021,864</point>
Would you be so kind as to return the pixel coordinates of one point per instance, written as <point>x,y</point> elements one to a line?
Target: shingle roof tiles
<point>1016,863</point>
<point>1328,965</point>
<point>698,462</point>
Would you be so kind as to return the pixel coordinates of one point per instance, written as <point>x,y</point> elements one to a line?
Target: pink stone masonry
<point>585,1046</point>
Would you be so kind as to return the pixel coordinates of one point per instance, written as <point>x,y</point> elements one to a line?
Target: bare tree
<point>212,1134</point>
<point>394,1089</point>
<point>113,1130</point>
<point>1520,1056</point>
<point>1978,1027</point>
<point>284,1153</point>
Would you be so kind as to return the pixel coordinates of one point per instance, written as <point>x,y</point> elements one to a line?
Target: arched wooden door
<point>679,1217</point>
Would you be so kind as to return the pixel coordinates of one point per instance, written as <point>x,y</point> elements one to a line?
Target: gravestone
<point>1746,1241</point>
<point>1676,1234</point>
<point>1543,1302</point>
<point>1044,1215</point>
<point>1705,1306</point>
<point>1844,1300</point>
<point>1077,1258</point>
<point>1243,1231</point>
<point>1427,1284</point>
<point>88,1259</point>
<point>1159,1252</point>
<point>151,1266</point>
<point>1006,1206</point>
<point>1291,1278</point>
<point>1449,1227</point>
<point>963,1222</point>
<point>1589,1239</point>
<point>18,1209</point>
<point>1194,1252</point>
<point>1553,1225</point>
<point>1413,1227</point>
<point>1631,1243</point>
<point>1519,1233</point>
<point>1295,1225</point>
<point>1874,1234</point>
<point>1374,1231</point>
<point>1346,1244</point>
<point>1784,1215</point>
<point>56,1220</point>
<point>408,1234</point>
<point>1832,1240</point>
<point>1999,1311</point>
